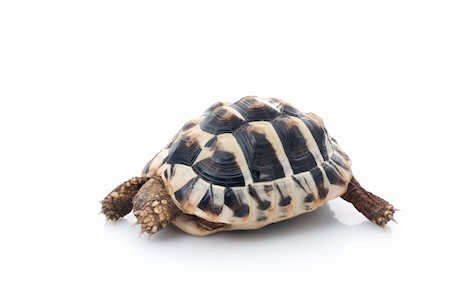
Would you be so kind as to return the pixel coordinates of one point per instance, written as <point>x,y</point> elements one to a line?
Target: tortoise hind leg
<point>118,202</point>
<point>371,206</point>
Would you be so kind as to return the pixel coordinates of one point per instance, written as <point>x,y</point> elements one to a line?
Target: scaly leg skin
<point>153,207</point>
<point>371,206</point>
<point>118,202</point>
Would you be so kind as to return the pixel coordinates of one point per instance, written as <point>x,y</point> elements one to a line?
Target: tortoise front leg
<point>118,202</point>
<point>153,207</point>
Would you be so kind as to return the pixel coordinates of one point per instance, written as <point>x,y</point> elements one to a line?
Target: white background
<point>91,91</point>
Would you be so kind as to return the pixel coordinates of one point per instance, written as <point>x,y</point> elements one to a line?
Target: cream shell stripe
<point>251,163</point>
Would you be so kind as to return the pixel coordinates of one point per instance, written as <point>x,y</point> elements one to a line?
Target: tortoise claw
<point>391,217</point>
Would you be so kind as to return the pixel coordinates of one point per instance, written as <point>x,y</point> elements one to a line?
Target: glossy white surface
<point>90,92</point>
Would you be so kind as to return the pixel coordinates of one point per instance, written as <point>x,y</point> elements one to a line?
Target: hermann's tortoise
<point>242,166</point>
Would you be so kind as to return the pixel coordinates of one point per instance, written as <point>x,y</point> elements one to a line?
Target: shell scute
<point>253,109</point>
<point>259,152</point>
<point>294,139</point>
<point>221,120</point>
<point>220,169</point>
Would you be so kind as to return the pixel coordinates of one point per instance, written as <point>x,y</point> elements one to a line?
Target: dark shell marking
<point>220,120</point>
<point>259,154</point>
<point>183,193</point>
<point>262,205</point>
<point>213,107</point>
<point>294,143</point>
<point>207,203</point>
<point>280,160</point>
<point>285,200</point>
<point>318,179</point>
<point>220,169</point>
<point>240,209</point>
<point>333,174</point>
<point>318,135</point>
<point>254,110</point>
<point>184,151</point>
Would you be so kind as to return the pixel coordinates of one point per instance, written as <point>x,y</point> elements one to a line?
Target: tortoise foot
<point>384,215</point>
<point>118,202</point>
<point>154,216</point>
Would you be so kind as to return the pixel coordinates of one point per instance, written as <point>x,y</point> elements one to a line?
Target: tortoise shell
<point>252,163</point>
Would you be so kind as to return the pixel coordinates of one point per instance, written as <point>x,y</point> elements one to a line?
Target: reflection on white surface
<point>304,249</point>
<point>304,252</point>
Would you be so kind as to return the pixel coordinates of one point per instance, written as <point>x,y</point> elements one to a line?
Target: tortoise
<point>243,166</point>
